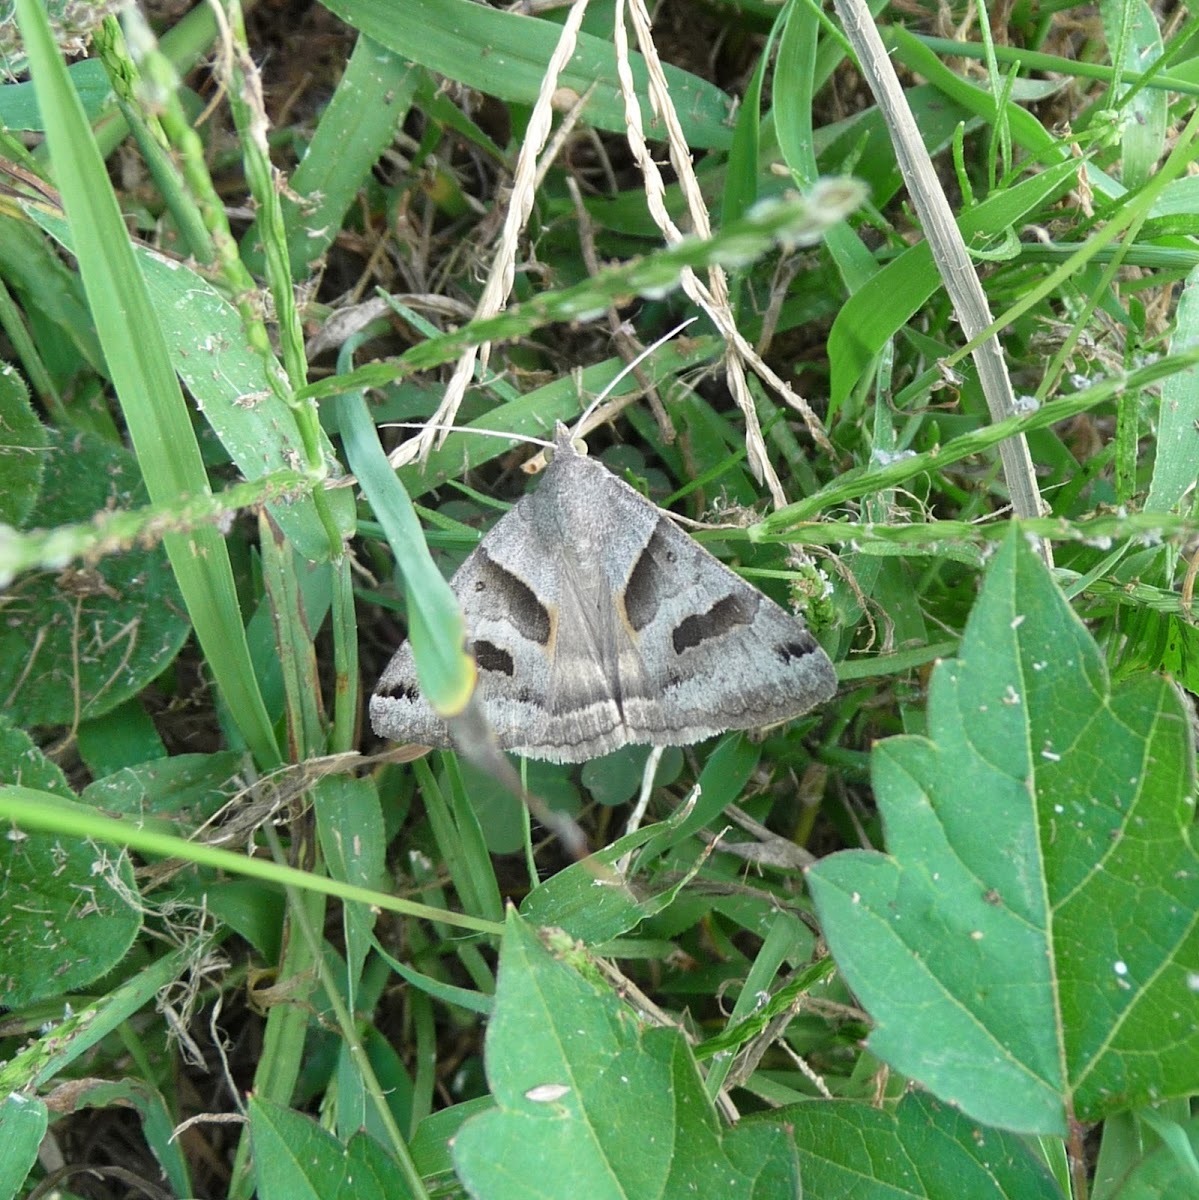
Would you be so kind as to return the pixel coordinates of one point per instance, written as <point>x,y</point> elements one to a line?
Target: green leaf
<point>349,824</point>
<point>23,762</point>
<point>882,305</point>
<point>152,404</point>
<point>593,1103</point>
<point>590,909</point>
<point>227,380</point>
<point>36,1063</point>
<point>435,626</point>
<point>23,1121</point>
<point>188,787</point>
<point>501,815</point>
<point>615,778</point>
<point>79,643</point>
<point>721,782</point>
<point>124,736</point>
<point>295,1159</point>
<point>22,446</point>
<point>1131,25</point>
<point>921,1149</point>
<point>1171,1170</point>
<point>1038,909</point>
<point>67,917</point>
<point>18,101</point>
<point>371,101</point>
<point>157,1123</point>
<point>505,54</point>
<point>1174,465</point>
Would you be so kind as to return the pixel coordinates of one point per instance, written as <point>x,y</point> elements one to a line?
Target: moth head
<point>566,443</point>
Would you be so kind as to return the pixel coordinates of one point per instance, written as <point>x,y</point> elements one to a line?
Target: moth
<point>595,622</point>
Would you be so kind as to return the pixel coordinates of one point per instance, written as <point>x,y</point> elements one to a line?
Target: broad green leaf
<point>594,1103</point>
<point>1038,910</point>
<point>1180,652</point>
<point>80,642</point>
<point>616,778</point>
<point>435,1135</point>
<point>22,449</point>
<point>18,102</point>
<point>505,54</point>
<point>189,788</point>
<point>922,1150</point>
<point>501,815</point>
<point>590,908</point>
<point>295,1159</point>
<point>23,1121</point>
<point>250,910</point>
<point>721,782</point>
<point>67,919</point>
<point>124,736</point>
<point>23,763</point>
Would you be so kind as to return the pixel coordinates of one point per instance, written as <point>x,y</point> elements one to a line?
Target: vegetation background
<point>935,940</point>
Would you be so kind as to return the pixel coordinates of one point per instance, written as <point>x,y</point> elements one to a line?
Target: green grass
<point>938,937</point>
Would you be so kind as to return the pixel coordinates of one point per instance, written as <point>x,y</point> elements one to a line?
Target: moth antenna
<point>497,433</point>
<point>578,425</point>
<point>625,370</point>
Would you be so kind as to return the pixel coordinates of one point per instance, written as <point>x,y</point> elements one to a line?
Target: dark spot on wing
<point>649,581</point>
<point>491,657</point>
<point>790,651</point>
<point>399,691</point>
<point>737,609</point>
<point>518,601</point>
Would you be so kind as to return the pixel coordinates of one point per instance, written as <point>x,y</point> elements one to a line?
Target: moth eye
<point>480,586</point>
